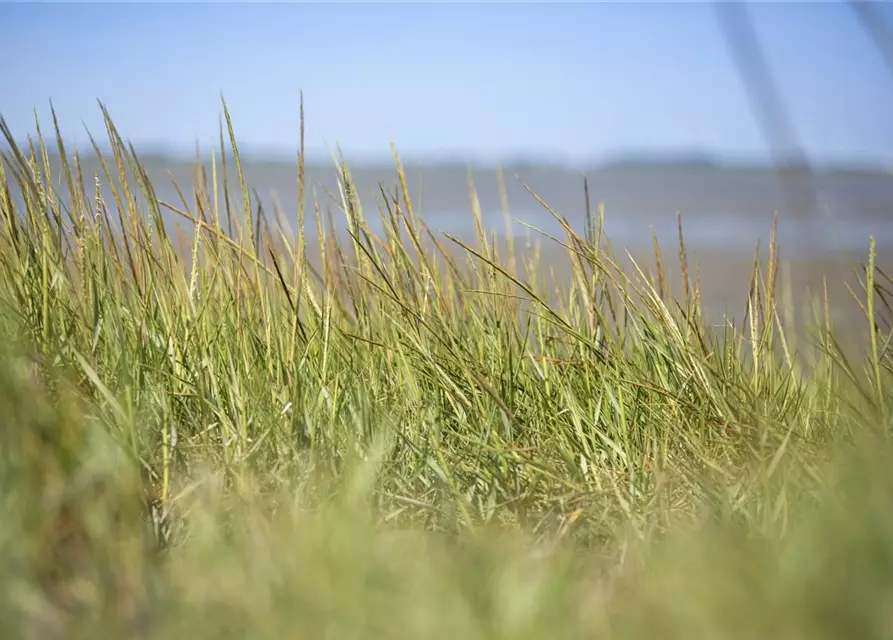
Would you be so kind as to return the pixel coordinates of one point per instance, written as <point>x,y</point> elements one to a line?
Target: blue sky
<point>561,81</point>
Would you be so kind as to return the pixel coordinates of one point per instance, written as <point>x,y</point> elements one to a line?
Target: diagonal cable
<point>878,29</point>
<point>766,103</point>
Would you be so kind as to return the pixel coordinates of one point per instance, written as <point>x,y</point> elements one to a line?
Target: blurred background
<point>725,113</point>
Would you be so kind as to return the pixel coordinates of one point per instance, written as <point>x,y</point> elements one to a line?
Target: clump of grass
<point>412,435</point>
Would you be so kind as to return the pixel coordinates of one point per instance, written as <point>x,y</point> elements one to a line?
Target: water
<point>722,209</point>
<point>724,213</point>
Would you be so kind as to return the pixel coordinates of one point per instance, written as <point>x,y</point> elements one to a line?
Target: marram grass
<point>243,432</point>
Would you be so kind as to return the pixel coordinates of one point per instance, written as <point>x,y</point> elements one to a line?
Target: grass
<point>413,437</point>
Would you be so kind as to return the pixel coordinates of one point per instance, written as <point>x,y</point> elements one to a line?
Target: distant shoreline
<point>621,162</point>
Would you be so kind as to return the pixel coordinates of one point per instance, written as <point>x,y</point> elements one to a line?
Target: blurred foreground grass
<point>220,440</point>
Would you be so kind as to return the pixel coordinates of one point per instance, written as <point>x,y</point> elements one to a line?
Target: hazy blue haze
<point>477,81</point>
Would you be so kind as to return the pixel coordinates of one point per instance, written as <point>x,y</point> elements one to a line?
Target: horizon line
<point>618,159</point>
